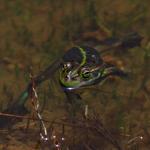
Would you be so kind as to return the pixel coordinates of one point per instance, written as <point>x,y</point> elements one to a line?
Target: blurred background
<point>36,32</point>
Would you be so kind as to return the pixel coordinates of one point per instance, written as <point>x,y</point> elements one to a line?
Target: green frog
<point>79,67</point>
<point>83,66</point>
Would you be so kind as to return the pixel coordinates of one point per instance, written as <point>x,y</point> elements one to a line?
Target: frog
<point>79,67</point>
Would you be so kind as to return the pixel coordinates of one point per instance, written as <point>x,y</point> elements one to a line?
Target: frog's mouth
<point>76,77</point>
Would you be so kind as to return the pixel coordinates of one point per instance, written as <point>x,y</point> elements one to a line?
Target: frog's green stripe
<point>83,55</point>
<point>68,84</point>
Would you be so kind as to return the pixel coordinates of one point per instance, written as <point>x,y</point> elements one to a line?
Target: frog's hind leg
<point>14,110</point>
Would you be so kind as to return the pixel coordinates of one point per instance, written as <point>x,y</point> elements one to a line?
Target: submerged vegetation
<point>34,33</point>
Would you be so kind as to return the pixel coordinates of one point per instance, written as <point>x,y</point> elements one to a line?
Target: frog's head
<point>76,76</point>
<point>83,67</point>
<point>73,76</point>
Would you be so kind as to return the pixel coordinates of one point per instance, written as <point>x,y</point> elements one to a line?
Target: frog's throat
<point>71,85</point>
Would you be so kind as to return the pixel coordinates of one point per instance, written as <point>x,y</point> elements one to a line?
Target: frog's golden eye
<point>85,73</point>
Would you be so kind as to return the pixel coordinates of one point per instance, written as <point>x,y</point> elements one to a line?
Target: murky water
<point>35,33</point>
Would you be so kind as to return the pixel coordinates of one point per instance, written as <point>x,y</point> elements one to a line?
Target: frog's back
<point>76,54</point>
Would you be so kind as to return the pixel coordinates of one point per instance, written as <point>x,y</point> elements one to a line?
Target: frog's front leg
<point>74,103</point>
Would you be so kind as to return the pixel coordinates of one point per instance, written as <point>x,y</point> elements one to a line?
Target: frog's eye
<point>85,73</point>
<point>67,65</point>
